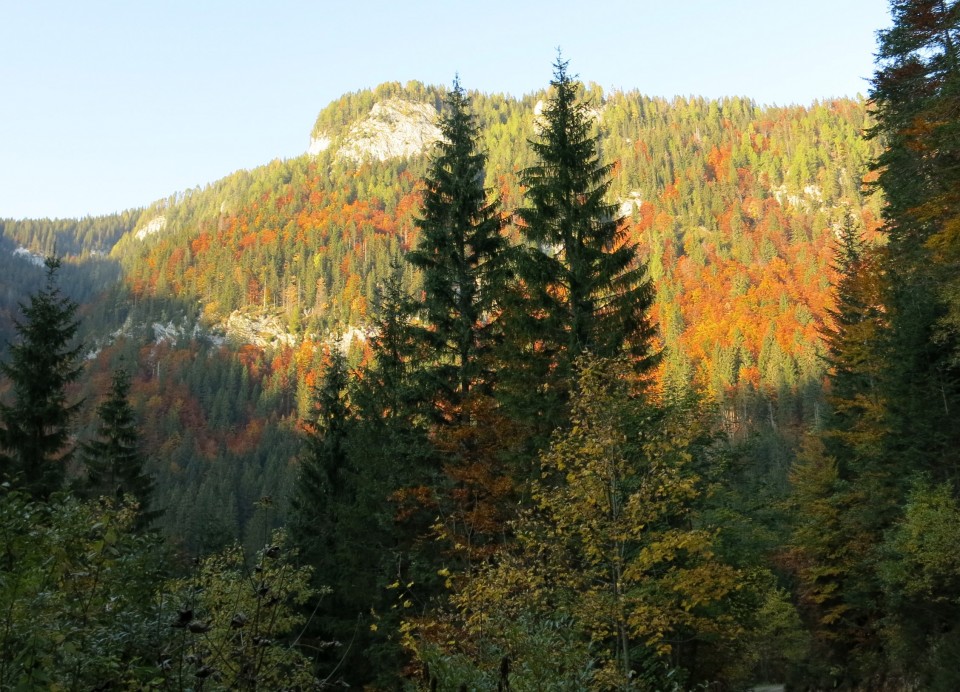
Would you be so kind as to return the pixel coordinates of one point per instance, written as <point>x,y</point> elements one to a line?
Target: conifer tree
<point>916,92</point>
<point>113,458</point>
<point>391,387</point>
<point>855,349</point>
<point>324,524</point>
<point>35,433</point>
<point>842,494</point>
<point>583,287</point>
<point>460,252</point>
<point>324,469</point>
<point>894,383</point>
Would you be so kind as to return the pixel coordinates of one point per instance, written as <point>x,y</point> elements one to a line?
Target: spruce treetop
<point>35,433</point>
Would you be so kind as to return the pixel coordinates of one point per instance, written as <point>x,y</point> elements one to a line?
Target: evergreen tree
<point>583,288</point>
<point>855,344</point>
<point>390,387</point>
<point>113,458</point>
<point>460,252</point>
<point>35,433</point>
<point>843,492</point>
<point>894,385</point>
<point>324,468</point>
<point>324,499</point>
<point>916,90</point>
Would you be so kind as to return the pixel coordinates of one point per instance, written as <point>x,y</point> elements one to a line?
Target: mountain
<point>222,295</point>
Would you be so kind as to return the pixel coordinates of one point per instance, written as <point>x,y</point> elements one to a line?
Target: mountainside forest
<point>579,390</point>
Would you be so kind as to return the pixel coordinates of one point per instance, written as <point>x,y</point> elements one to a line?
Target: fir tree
<point>392,386</point>
<point>35,436</point>
<point>916,92</point>
<point>460,252</point>
<point>583,288</point>
<point>114,462</point>
<point>323,471</point>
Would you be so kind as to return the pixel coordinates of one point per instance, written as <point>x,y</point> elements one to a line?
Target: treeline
<point>70,237</point>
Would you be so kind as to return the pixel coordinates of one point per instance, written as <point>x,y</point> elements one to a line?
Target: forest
<point>599,391</point>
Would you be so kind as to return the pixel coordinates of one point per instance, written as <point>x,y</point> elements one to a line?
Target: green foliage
<point>460,252</point>
<point>608,545</point>
<point>870,546</point>
<point>231,622</point>
<point>77,587</point>
<point>35,436</point>
<point>113,460</point>
<point>920,578</point>
<point>580,272</point>
<point>70,237</point>
<point>324,468</point>
<point>581,285</point>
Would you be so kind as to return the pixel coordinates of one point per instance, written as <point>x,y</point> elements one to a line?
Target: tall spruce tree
<point>916,95</point>
<point>324,468</point>
<point>583,288</point>
<point>113,459</point>
<point>35,432</point>
<point>460,252</point>
<point>864,483</point>
<point>843,494</point>
<point>324,499</point>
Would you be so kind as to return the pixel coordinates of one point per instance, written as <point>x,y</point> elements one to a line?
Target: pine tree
<point>460,252</point>
<point>114,462</point>
<point>583,288</point>
<point>35,436</point>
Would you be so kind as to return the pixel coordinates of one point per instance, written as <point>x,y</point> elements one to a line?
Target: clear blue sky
<point>107,105</point>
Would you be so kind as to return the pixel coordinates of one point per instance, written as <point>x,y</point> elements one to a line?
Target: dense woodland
<point>601,391</point>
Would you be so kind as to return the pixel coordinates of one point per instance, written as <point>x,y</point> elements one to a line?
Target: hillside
<point>227,291</point>
<point>581,390</point>
<point>736,208</point>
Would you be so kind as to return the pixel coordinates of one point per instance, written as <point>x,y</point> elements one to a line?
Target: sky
<point>110,105</point>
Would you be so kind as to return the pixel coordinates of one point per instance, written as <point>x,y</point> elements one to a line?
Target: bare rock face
<point>31,257</point>
<point>156,224</point>
<point>261,330</point>
<point>394,128</point>
<point>630,204</point>
<point>809,198</point>
<point>319,143</point>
